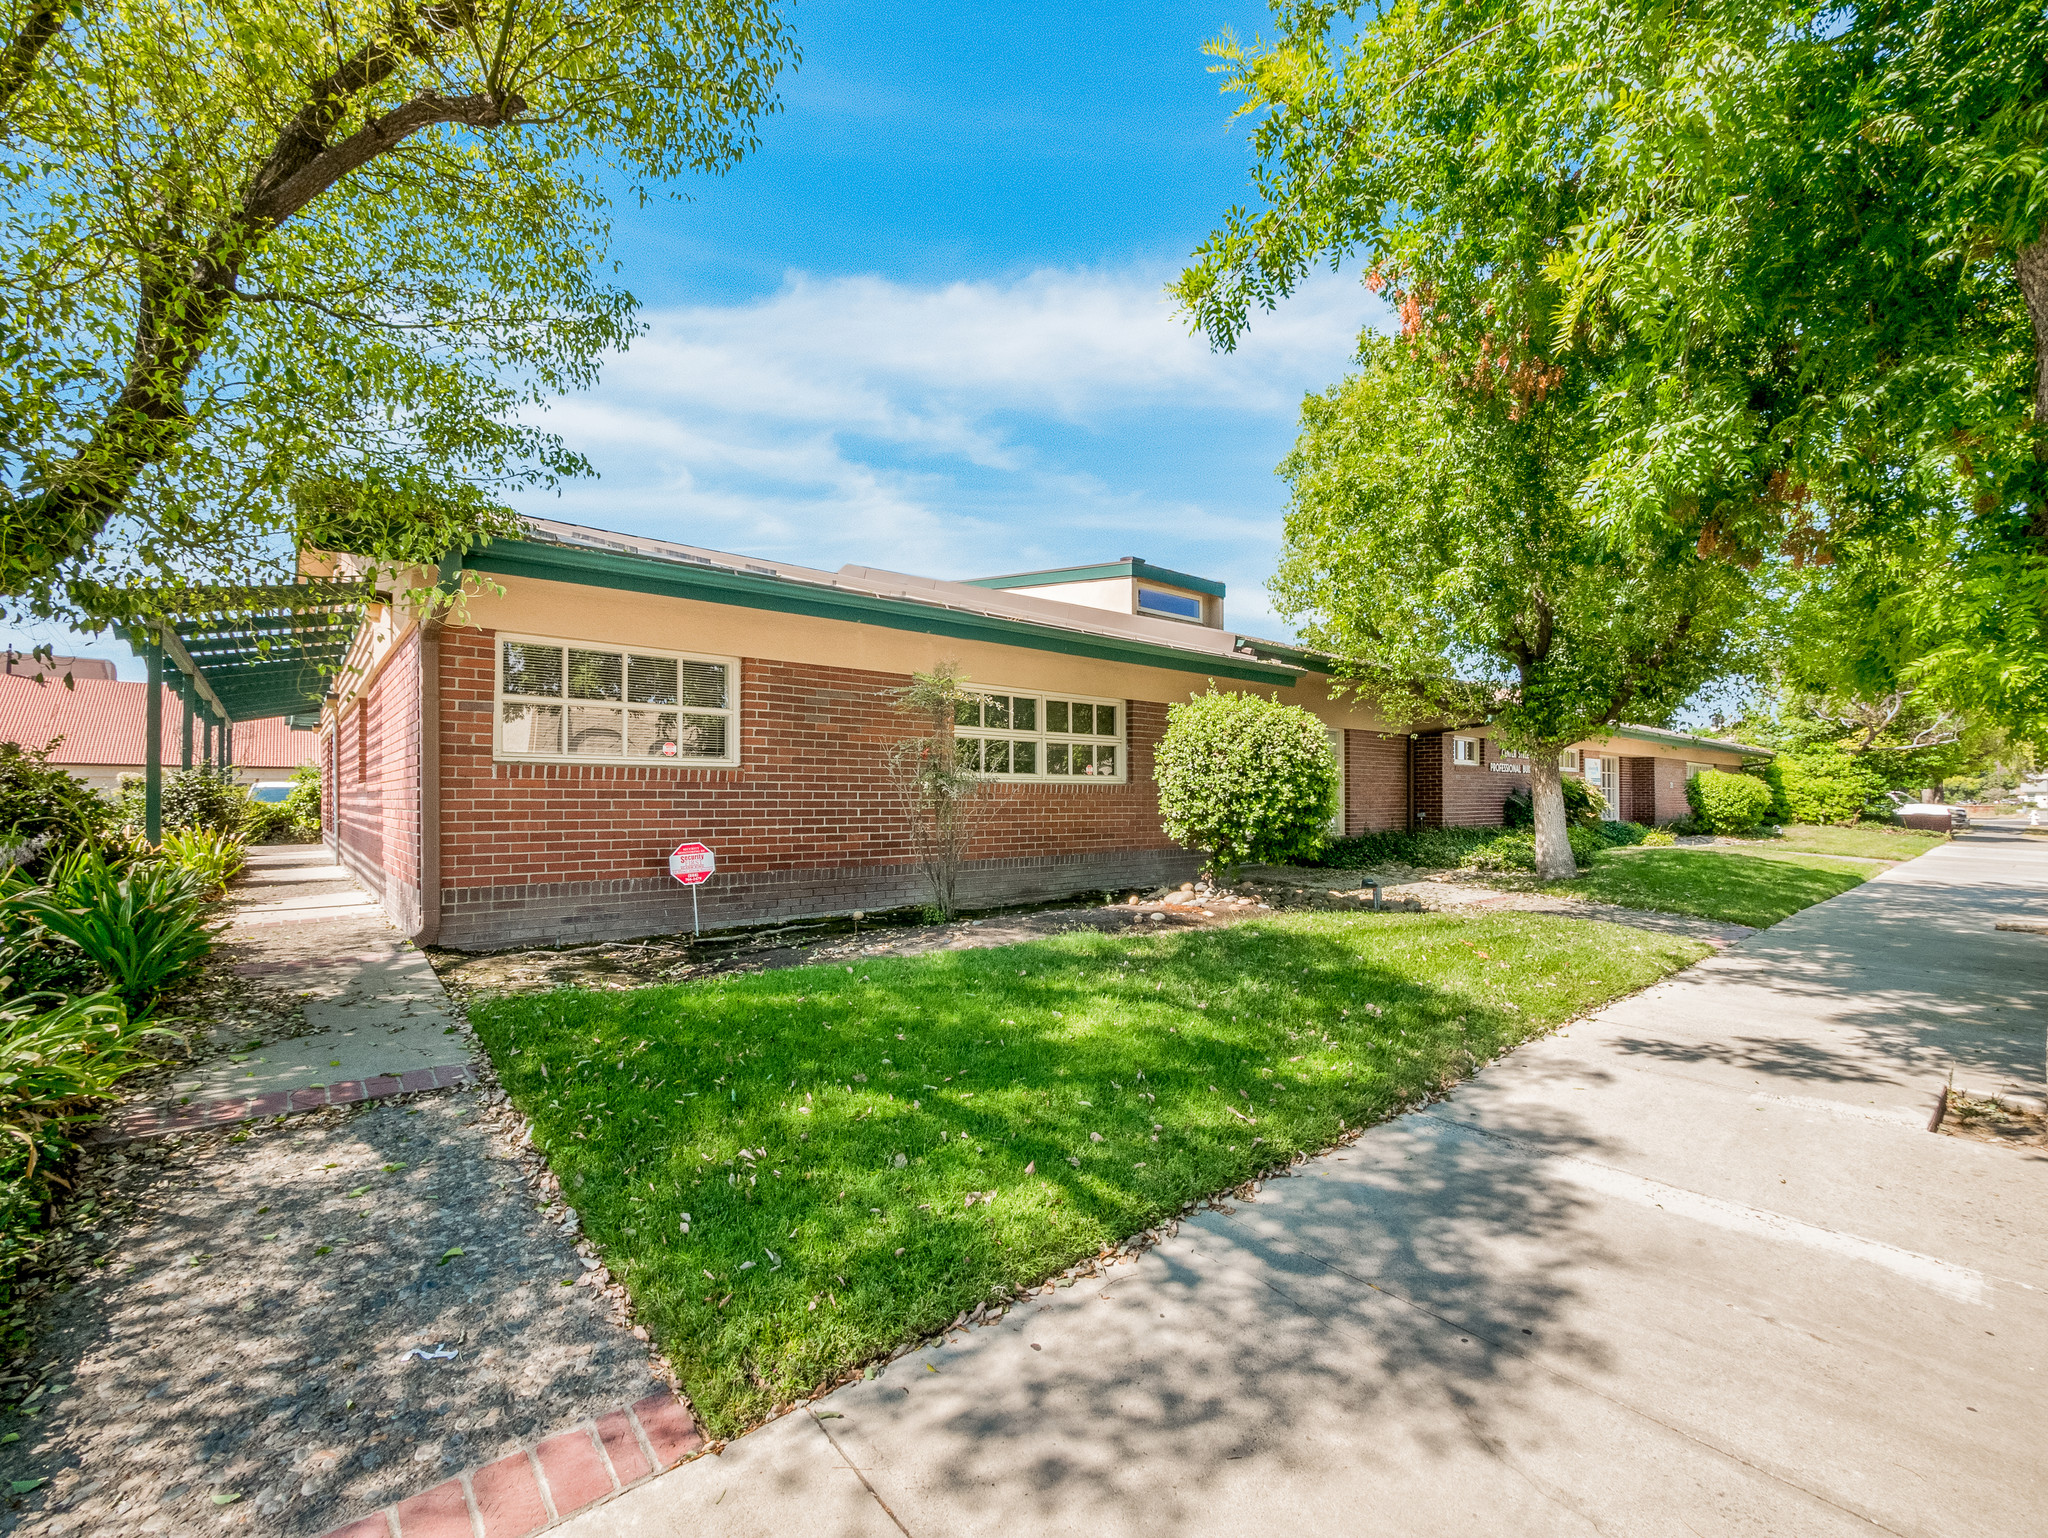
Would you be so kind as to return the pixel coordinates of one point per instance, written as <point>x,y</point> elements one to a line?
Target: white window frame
<point>1570,761</point>
<point>1693,771</point>
<point>500,699</point>
<point>1465,752</point>
<point>1046,739</point>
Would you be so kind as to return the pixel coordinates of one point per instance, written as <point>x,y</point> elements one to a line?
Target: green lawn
<point>1874,843</point>
<point>862,1154</point>
<point>1731,887</point>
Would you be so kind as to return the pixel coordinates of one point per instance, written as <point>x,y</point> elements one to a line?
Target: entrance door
<point>1337,747</point>
<point>1603,773</point>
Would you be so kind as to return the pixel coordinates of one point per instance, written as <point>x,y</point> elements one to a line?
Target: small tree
<point>943,799</point>
<point>1245,778</point>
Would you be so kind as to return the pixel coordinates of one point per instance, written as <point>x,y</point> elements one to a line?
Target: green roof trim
<point>632,573</point>
<point>1143,571</point>
<point>1688,740</point>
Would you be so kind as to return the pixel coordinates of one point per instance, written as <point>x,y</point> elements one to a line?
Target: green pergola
<point>238,654</point>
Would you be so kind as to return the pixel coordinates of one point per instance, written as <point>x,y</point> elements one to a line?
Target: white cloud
<point>958,429</point>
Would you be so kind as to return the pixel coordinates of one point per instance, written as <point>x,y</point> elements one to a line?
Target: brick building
<point>520,772</point>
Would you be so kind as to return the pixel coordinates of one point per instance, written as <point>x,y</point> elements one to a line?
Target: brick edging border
<point>145,1121</point>
<point>541,1484</point>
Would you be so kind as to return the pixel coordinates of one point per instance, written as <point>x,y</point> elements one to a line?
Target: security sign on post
<point>692,864</point>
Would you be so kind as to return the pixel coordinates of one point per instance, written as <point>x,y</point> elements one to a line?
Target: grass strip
<point>1874,842</point>
<point>860,1154</point>
<point>1723,885</point>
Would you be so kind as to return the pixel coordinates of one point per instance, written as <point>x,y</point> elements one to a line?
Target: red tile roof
<point>101,722</point>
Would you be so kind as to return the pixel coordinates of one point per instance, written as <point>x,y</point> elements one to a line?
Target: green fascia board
<point>1686,740</point>
<point>711,584</point>
<point>1143,571</point>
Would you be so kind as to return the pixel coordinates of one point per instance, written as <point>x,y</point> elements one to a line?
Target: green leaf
<point>23,1486</point>
<point>446,1256</point>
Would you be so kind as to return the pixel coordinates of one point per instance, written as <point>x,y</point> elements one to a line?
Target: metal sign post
<point>692,865</point>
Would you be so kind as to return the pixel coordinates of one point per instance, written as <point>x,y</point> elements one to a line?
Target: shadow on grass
<point>862,1153</point>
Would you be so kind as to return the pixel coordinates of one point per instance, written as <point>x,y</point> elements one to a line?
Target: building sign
<point>692,864</point>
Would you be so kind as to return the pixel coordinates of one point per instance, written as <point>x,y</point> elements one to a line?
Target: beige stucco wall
<point>569,612</point>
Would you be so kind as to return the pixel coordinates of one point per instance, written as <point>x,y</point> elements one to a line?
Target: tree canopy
<point>1435,546</point>
<point>247,246</point>
<point>1804,243</point>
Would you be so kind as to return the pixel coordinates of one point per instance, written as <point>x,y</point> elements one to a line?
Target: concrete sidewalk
<point>1692,1267</point>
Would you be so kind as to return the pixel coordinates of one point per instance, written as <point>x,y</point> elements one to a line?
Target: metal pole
<point>185,692</point>
<point>153,752</point>
<point>227,744</point>
<point>693,910</point>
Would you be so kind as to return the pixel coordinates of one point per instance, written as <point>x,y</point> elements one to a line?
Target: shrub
<point>1516,850</point>
<point>144,928</point>
<point>1582,804</point>
<point>303,801</point>
<point>43,808</point>
<point>1246,778</point>
<point>1614,835</point>
<point>1727,803</point>
<point>211,859</point>
<point>205,796</point>
<point>1821,785</point>
<point>1424,848</point>
<point>57,1055</point>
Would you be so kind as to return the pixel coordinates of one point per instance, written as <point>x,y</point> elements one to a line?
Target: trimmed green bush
<point>1246,778</point>
<point>1728,803</point>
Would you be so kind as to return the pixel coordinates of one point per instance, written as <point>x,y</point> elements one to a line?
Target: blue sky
<point>923,326</point>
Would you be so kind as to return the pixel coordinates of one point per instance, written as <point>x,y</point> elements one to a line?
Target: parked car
<point>270,792</point>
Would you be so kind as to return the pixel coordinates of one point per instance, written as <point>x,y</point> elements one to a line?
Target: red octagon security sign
<point>692,864</point>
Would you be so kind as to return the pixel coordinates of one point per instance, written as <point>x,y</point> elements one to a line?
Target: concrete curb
<point>539,1485</point>
<point>136,1122</point>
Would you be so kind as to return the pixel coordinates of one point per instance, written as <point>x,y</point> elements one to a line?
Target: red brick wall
<point>1639,790</point>
<point>376,802</point>
<point>1670,803</point>
<point>805,823</point>
<point>1473,793</point>
<point>1375,782</point>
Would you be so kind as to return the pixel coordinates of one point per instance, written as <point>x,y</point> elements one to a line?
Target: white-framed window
<point>1011,736</point>
<point>1464,750</point>
<point>1694,770</point>
<point>1569,761</point>
<point>568,702</point>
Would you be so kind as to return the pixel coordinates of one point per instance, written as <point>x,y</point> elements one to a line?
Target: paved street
<point>1693,1266</point>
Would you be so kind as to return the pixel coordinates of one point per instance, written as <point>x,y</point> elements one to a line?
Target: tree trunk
<point>1554,860</point>
<point>2030,267</point>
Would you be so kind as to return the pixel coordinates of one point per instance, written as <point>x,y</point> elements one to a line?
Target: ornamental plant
<point>1728,803</point>
<point>1246,779</point>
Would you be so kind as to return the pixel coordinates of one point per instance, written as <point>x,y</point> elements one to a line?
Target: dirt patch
<point>676,958</point>
<point>1982,1119</point>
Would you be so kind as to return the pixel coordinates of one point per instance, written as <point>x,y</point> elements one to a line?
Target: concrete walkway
<point>372,1019</point>
<point>1692,1267</point>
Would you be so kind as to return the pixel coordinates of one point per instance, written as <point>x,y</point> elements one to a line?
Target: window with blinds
<point>1042,737</point>
<point>598,704</point>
